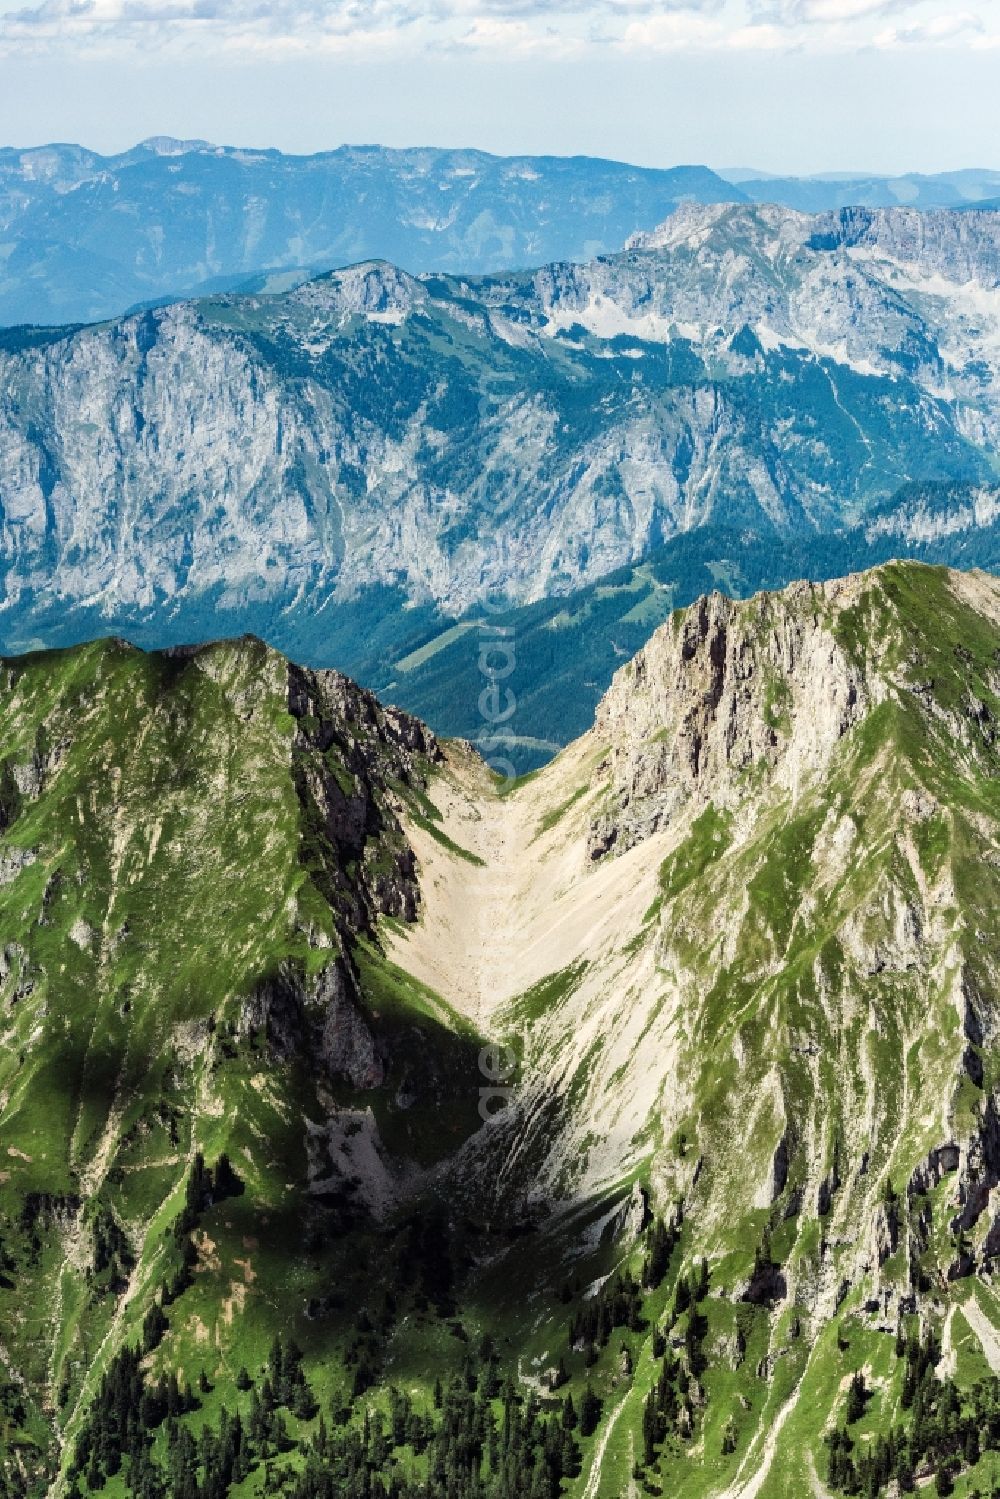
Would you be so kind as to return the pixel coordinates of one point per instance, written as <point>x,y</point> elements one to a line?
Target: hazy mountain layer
<point>89,236</point>
<point>85,236</point>
<point>732,1226</point>
<point>962,189</point>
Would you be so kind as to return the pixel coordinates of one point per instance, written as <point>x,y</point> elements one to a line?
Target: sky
<point>783,85</point>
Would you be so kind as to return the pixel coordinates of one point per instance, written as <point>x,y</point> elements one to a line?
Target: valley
<point>722,975</point>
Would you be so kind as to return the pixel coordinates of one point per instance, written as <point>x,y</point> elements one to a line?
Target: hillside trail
<point>747,1485</point>
<point>600,1451</point>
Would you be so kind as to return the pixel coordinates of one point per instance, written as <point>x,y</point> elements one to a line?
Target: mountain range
<point>498,976</point>
<point>970,188</point>
<point>371,1127</point>
<point>88,236</point>
<point>85,236</point>
<point>355,469</point>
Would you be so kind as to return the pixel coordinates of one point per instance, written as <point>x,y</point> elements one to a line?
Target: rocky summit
<point>369,1126</point>
<point>351,467</point>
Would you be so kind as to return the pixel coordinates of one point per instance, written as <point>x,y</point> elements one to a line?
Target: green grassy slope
<point>226,1117</point>
<point>186,862</point>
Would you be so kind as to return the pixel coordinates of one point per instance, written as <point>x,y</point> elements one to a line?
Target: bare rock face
<point>777,1178</point>
<point>720,692</point>
<point>978,1169</point>
<point>766,1286</point>
<point>940,1161</point>
<point>321,1017</point>
<point>961,246</point>
<point>631,1218</point>
<point>13,861</point>
<point>275,1008</point>
<point>15,982</point>
<point>347,1045</point>
<point>361,747</point>
<point>884,1233</point>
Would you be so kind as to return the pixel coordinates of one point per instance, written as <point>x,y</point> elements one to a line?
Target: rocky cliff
<point>275,457</point>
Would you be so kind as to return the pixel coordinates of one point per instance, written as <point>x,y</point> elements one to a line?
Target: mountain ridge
<point>388,451</point>
<point>746,1047</point>
<point>97,235</point>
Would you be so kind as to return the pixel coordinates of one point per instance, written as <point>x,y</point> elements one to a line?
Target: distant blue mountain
<point>970,188</point>
<point>90,236</point>
<point>85,237</point>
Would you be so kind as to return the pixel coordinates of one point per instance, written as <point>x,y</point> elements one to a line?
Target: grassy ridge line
<point>199,756</point>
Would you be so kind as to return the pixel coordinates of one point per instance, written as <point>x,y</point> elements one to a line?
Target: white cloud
<point>957,27</point>
<point>846,10</point>
<point>765,36</point>
<point>514,39</point>
<point>671,32</point>
<point>505,28</point>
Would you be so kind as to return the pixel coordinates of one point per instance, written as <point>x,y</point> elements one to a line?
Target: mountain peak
<point>169,145</point>
<point>729,695</point>
<point>692,223</point>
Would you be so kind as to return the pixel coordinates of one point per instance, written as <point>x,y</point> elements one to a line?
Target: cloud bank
<point>507,29</point>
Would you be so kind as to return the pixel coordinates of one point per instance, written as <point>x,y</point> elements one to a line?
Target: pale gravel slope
<point>538,904</point>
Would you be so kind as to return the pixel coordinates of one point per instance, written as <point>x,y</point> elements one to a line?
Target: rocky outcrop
<point>631,1219</point>
<point>961,247</point>
<point>276,1008</point>
<point>15,980</point>
<point>942,1160</point>
<point>766,1286</point>
<point>721,692</point>
<point>13,861</point>
<point>348,752</point>
<point>884,1233</point>
<point>347,1046</point>
<point>978,1168</point>
<point>779,1170</point>
<point>317,1018</point>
